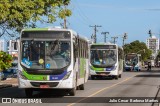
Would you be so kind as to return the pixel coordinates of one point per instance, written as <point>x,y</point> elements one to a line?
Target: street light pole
<point>124,37</point>
<point>150,33</point>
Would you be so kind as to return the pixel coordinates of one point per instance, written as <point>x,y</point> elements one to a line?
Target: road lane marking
<point>100,91</point>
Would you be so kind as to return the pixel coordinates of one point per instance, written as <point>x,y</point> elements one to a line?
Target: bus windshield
<point>131,59</point>
<point>103,58</point>
<point>45,54</point>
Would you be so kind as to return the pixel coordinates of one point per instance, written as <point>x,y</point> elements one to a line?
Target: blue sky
<point>135,17</point>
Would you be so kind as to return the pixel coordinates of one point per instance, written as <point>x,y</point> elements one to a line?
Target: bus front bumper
<point>45,84</point>
<point>130,69</point>
<point>102,73</point>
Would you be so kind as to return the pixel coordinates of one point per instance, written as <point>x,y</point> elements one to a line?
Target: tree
<point>17,14</point>
<point>137,46</point>
<point>5,61</point>
<point>158,57</point>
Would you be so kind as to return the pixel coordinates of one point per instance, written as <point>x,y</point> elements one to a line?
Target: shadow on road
<point>152,71</point>
<point>144,75</point>
<point>50,93</point>
<point>101,78</point>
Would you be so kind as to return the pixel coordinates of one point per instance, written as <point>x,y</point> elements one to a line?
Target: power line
<point>83,14</point>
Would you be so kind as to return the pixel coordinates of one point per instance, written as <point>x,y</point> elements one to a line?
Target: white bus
<point>133,62</point>
<point>106,60</point>
<point>52,58</point>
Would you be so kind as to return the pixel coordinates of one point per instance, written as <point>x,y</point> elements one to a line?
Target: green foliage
<point>64,13</point>
<point>158,56</point>
<point>137,46</point>
<point>5,61</point>
<point>17,14</point>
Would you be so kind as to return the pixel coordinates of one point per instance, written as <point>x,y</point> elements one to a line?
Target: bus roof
<point>55,29</point>
<point>46,29</point>
<point>108,43</point>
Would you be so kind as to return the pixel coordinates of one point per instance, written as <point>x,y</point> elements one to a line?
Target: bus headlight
<point>115,67</point>
<point>22,75</point>
<point>67,75</point>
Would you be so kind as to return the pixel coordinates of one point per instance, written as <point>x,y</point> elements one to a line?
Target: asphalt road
<point>132,84</point>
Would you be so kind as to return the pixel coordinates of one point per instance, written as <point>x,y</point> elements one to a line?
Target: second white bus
<point>106,60</point>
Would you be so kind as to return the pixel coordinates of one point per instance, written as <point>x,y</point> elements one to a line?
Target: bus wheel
<point>28,92</point>
<point>120,75</point>
<point>92,77</point>
<point>116,77</point>
<point>81,87</point>
<point>73,92</point>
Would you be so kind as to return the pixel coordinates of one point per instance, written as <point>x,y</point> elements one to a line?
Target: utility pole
<point>124,37</point>
<point>95,32</point>
<point>104,33</point>
<point>114,39</point>
<point>65,20</point>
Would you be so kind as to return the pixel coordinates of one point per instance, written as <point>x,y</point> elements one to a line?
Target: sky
<point>134,17</point>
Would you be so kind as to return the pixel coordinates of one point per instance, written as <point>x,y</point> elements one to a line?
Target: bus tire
<point>120,75</point>
<point>92,77</point>
<point>81,87</point>
<point>116,77</point>
<point>28,92</point>
<point>73,92</point>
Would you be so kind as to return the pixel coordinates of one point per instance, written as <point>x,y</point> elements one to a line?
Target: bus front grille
<point>103,73</point>
<point>51,84</point>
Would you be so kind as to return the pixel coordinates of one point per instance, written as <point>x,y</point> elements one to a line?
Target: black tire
<point>29,92</point>
<point>120,75</point>
<point>116,77</point>
<point>81,87</point>
<point>92,77</point>
<point>72,92</point>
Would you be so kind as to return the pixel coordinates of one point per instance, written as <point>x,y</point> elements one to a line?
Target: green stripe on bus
<point>36,29</point>
<point>82,67</point>
<point>35,77</point>
<point>97,69</point>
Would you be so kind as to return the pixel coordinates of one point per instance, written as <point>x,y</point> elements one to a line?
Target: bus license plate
<point>44,86</point>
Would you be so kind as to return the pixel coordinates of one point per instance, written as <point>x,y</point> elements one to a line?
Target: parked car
<point>10,73</point>
<point>2,76</point>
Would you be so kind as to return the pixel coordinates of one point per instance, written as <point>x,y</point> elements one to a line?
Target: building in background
<point>13,51</point>
<point>153,44</point>
<point>2,45</point>
<point>13,47</point>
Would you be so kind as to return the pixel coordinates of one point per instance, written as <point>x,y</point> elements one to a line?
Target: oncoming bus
<point>52,58</point>
<point>133,62</point>
<point>106,60</point>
